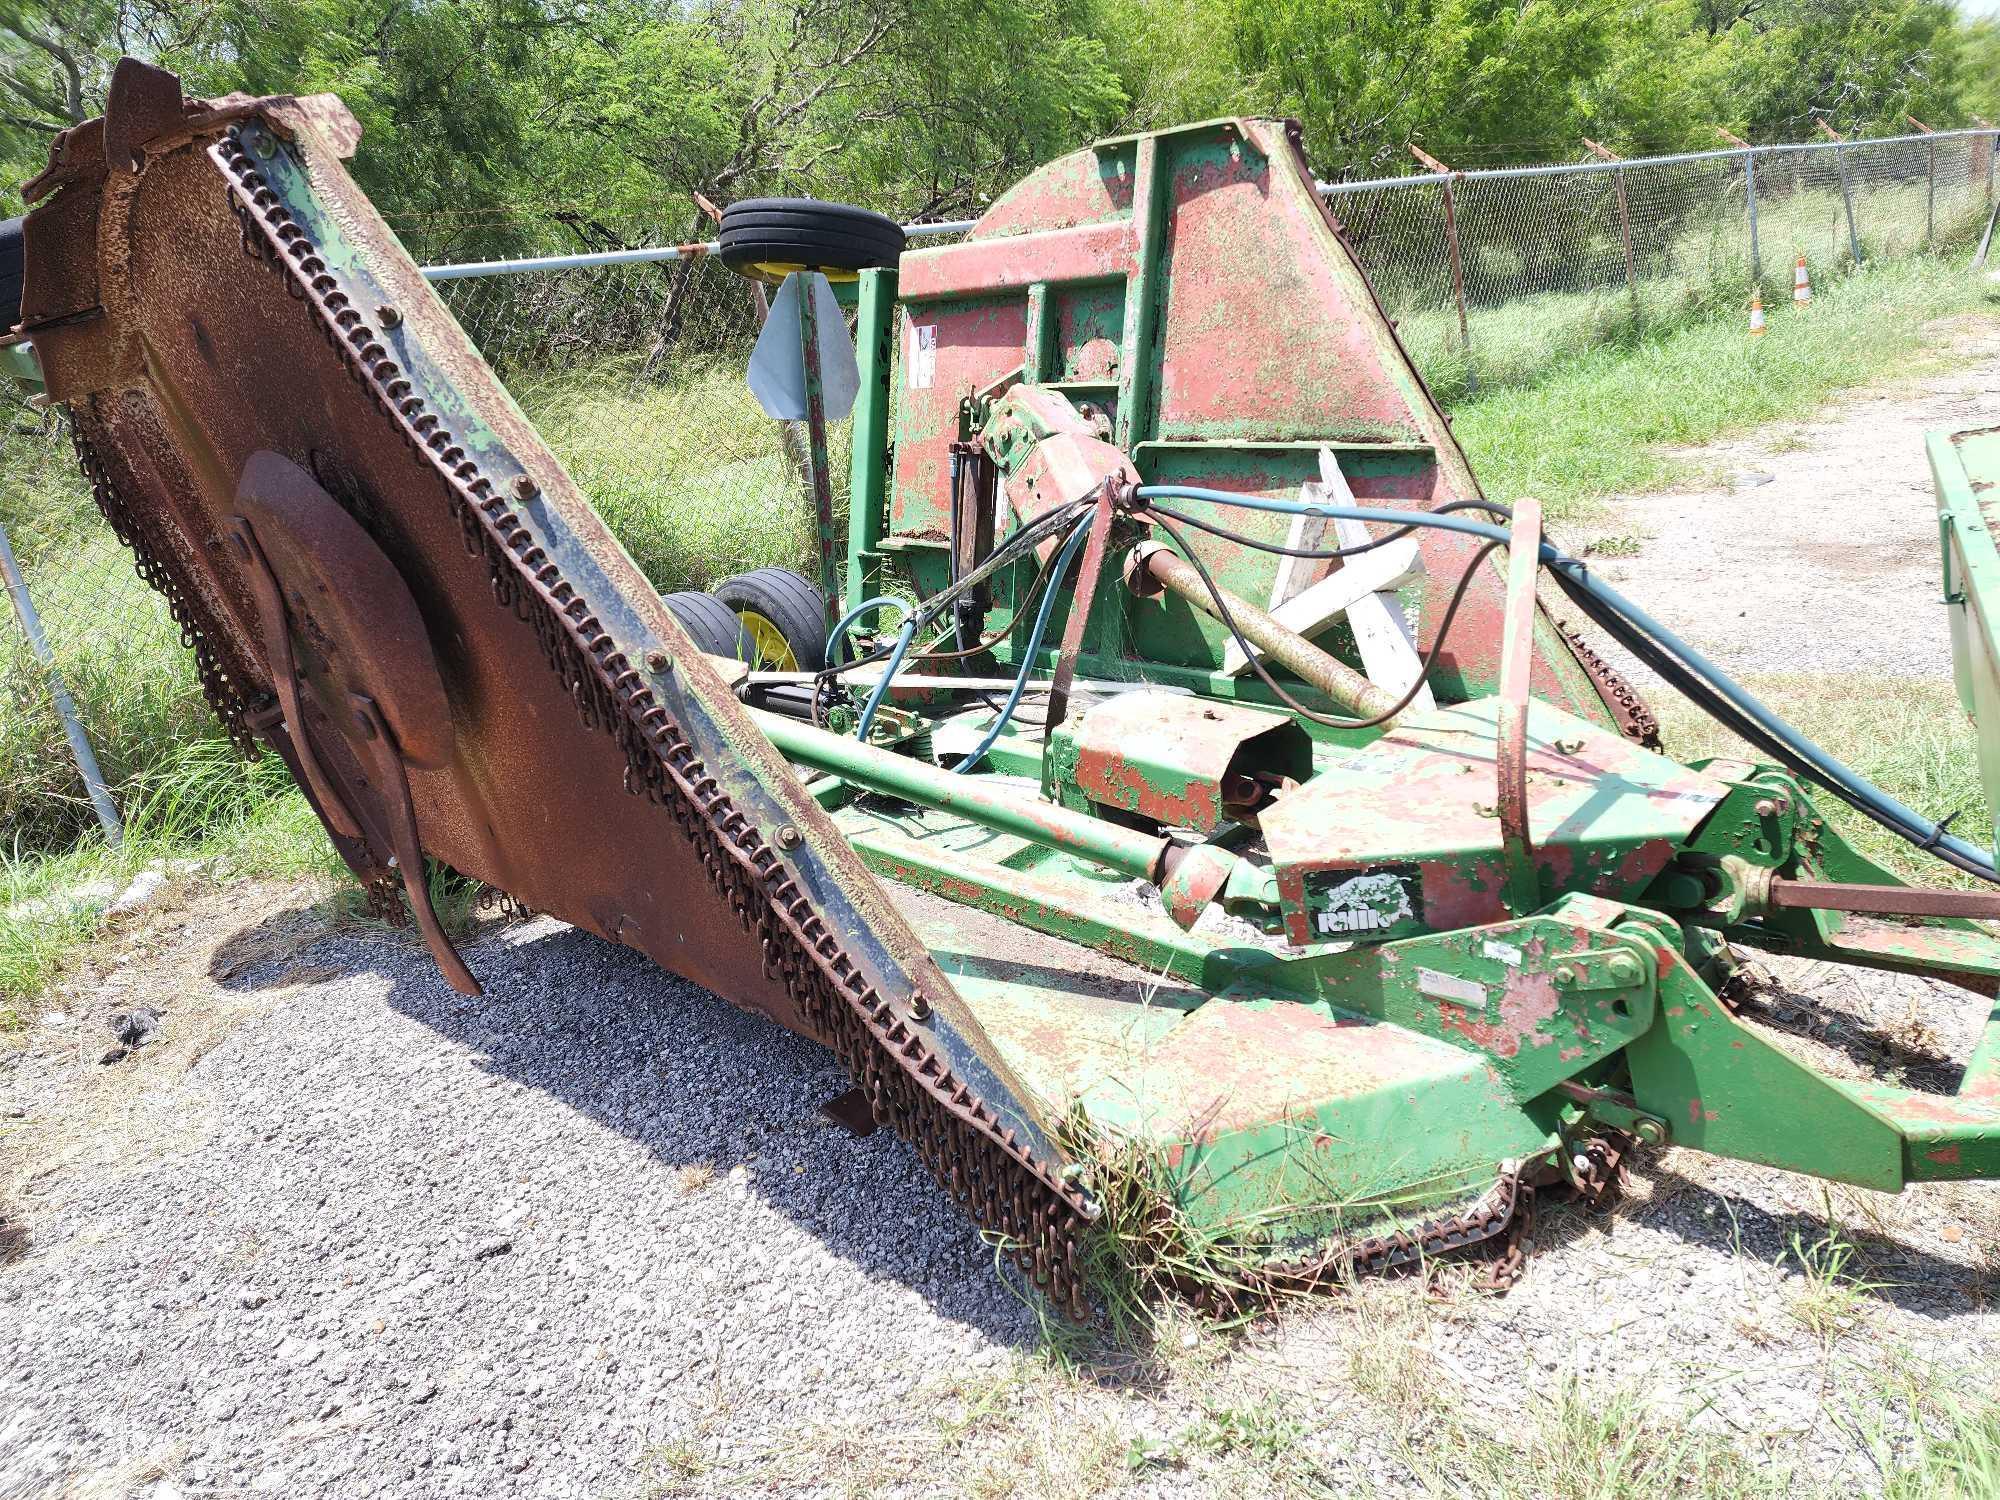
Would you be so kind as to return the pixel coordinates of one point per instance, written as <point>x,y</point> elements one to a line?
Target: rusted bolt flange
<point>789,837</point>
<point>658,661</point>
<point>523,487</point>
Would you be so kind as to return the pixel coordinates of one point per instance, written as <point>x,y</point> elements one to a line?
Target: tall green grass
<point>690,474</point>
<point>1603,418</point>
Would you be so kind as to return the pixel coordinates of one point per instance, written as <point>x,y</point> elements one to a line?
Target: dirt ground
<point>340,1232</point>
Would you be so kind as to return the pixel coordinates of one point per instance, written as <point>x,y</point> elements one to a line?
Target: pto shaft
<point>1155,566</point>
<point>1139,855</point>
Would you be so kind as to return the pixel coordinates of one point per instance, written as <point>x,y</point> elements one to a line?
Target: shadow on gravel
<point>13,1237</point>
<point>1909,1278</point>
<point>700,1084</point>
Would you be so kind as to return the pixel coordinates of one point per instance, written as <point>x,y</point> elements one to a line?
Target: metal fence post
<point>1457,266</point>
<point>79,742</point>
<point>1930,186</point>
<point>1624,217</point>
<point>1846,188</point>
<point>1749,200</point>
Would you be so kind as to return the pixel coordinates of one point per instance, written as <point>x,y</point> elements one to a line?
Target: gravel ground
<point>343,1233</point>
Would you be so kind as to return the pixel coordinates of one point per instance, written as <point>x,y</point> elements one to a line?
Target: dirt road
<point>1811,546</point>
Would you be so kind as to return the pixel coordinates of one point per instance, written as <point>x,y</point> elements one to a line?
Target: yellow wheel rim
<point>775,271</point>
<point>771,652</point>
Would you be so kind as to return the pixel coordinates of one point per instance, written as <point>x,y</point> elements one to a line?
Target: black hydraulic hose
<point>1250,652</point>
<point>1312,554</point>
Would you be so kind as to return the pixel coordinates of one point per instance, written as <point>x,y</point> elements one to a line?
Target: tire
<point>784,602</point>
<point>710,624</point>
<point>12,247</point>
<point>774,232</point>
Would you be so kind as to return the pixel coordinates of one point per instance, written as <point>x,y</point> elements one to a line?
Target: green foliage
<point>1479,81</point>
<point>502,126</point>
<point>508,126</point>
<point>1594,418</point>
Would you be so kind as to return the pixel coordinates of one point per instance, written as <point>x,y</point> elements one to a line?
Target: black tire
<point>790,602</point>
<point>710,624</point>
<point>12,249</point>
<point>806,232</point>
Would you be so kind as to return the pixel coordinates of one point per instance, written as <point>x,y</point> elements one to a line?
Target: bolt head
<point>524,487</point>
<point>1652,1132</point>
<point>389,314</point>
<point>1625,968</point>
<point>1766,808</point>
<point>789,837</point>
<point>658,661</point>
<point>1566,974</point>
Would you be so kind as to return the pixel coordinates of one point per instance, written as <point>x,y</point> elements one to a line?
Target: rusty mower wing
<point>390,581</point>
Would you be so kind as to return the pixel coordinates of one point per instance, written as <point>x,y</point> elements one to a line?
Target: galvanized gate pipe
<point>1155,566</point>
<point>79,742</point>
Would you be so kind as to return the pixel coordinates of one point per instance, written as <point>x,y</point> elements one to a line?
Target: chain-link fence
<point>1490,274</point>
<point>631,365</point>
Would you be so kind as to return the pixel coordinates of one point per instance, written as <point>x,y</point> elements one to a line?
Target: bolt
<point>658,661</point>
<point>1652,1132</point>
<point>1766,808</point>
<point>524,487</point>
<point>788,837</point>
<point>1566,974</point>
<point>920,1008</point>
<point>390,314</point>
<point>1624,968</point>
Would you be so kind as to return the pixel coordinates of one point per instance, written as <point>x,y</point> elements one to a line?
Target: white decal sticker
<point>1367,903</point>
<point>1451,987</point>
<point>922,363</point>
<point>1507,953</point>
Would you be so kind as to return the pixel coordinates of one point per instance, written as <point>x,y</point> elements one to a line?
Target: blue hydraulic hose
<point>881,601</point>
<point>1870,798</point>
<point>882,688</point>
<point>1028,653</point>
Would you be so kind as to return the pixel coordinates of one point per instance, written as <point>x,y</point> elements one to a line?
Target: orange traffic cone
<point>1801,283</point>
<point>1756,314</point>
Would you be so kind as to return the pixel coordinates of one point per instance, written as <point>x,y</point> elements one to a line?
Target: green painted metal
<point>1122,849</point>
<point>816,447</point>
<point>1965,466</point>
<point>868,461</point>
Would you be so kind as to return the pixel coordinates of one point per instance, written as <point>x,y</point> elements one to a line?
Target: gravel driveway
<point>343,1233</point>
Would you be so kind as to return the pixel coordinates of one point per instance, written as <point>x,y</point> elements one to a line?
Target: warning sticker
<point>920,366</point>
<point>1451,987</point>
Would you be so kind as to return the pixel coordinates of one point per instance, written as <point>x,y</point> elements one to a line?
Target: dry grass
<point>693,1177</point>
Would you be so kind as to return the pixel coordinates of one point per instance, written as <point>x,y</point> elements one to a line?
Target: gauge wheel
<point>710,624</point>
<point>768,238</point>
<point>783,617</point>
